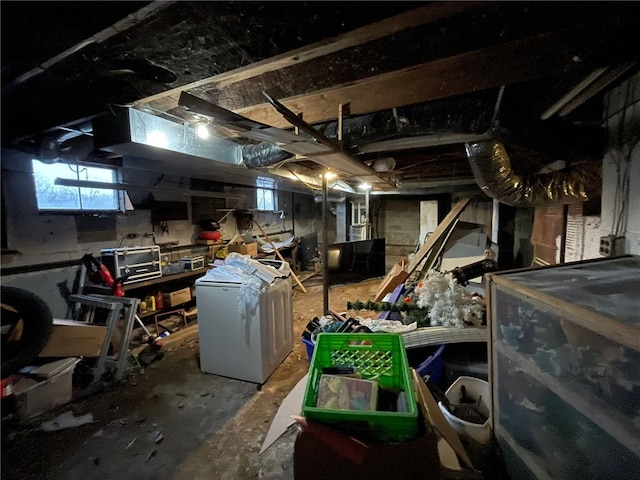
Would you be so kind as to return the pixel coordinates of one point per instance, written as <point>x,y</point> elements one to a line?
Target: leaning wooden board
<point>434,417</point>
<point>443,228</point>
<point>431,247</point>
<point>392,279</point>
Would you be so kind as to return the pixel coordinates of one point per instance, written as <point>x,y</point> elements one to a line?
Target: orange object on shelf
<point>210,235</point>
<point>159,300</point>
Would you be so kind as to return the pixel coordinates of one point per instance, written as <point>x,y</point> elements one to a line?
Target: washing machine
<point>245,325</point>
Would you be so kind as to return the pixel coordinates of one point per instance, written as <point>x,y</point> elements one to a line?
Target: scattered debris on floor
<point>67,420</point>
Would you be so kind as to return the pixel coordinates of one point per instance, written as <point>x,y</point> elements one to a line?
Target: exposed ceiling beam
<point>567,97</point>
<point>430,13</point>
<point>128,22</point>
<point>603,81</point>
<point>516,61</point>
<point>422,142</point>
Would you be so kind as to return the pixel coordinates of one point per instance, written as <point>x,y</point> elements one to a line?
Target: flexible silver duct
<point>492,171</point>
<point>65,147</point>
<point>263,154</point>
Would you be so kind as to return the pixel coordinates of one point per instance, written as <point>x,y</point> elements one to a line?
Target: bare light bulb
<point>202,131</point>
<point>157,139</point>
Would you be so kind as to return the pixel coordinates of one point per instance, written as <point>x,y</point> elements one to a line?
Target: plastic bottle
<point>159,300</point>
<point>151,303</point>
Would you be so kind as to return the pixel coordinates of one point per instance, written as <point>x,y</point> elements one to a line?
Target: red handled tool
<point>97,270</point>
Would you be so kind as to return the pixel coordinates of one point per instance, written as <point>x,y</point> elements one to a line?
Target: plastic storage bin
<point>432,366</point>
<point>476,388</point>
<point>379,355</point>
<point>35,396</point>
<point>465,360</point>
<point>565,369</point>
<point>310,346</point>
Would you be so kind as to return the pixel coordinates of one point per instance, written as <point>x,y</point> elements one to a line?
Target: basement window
<point>266,198</point>
<point>52,197</point>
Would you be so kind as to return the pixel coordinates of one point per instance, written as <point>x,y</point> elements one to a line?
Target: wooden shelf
<point>598,411</point>
<point>532,461</point>
<point>182,306</point>
<point>164,279</point>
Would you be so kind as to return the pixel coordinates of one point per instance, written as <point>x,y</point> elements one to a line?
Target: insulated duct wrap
<point>263,155</point>
<point>492,171</point>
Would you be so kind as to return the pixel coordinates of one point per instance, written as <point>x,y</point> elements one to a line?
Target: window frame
<point>116,194</point>
<point>263,186</point>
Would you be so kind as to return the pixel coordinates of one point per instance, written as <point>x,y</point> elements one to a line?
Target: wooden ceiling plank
<point>530,58</point>
<point>360,36</point>
<point>595,87</point>
<point>420,16</point>
<point>584,83</point>
<point>409,143</point>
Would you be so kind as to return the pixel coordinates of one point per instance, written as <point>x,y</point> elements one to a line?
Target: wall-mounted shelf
<point>149,283</point>
<point>164,279</point>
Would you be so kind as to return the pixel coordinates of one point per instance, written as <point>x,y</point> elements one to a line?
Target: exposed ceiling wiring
<point>308,185</point>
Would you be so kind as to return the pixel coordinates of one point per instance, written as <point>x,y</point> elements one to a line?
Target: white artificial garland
<point>449,304</point>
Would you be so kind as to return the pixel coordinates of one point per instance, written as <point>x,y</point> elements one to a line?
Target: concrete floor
<point>174,422</point>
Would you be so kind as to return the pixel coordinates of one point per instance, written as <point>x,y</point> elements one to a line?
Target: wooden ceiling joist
<point>512,62</point>
<point>428,14</point>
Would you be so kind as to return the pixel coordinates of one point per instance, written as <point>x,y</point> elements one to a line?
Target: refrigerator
<point>245,324</point>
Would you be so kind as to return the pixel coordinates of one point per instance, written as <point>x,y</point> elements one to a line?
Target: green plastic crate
<point>380,355</point>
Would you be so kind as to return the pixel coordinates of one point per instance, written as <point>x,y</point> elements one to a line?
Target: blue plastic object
<point>310,347</point>
<point>433,366</point>
<point>395,296</point>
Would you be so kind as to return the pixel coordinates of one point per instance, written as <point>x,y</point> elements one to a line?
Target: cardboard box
<point>50,388</point>
<point>202,241</point>
<point>250,249</point>
<point>74,339</point>
<point>178,297</point>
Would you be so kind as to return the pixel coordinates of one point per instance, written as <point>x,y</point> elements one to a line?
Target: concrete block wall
<point>47,238</point>
<point>622,117</point>
<point>398,222</point>
<point>479,212</point>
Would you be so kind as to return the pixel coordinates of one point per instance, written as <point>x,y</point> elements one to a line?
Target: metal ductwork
<point>73,148</point>
<point>135,132</point>
<point>468,115</point>
<point>339,198</point>
<point>492,171</point>
<point>149,142</point>
<point>128,131</point>
<point>66,144</point>
<point>263,155</point>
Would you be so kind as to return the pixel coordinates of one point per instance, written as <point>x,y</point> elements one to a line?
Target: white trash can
<point>475,388</point>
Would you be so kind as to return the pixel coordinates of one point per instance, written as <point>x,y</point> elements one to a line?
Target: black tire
<point>26,326</point>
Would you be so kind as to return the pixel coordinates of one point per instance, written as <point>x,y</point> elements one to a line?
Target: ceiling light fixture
<point>384,164</point>
<point>157,139</point>
<point>364,186</point>
<point>202,131</point>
